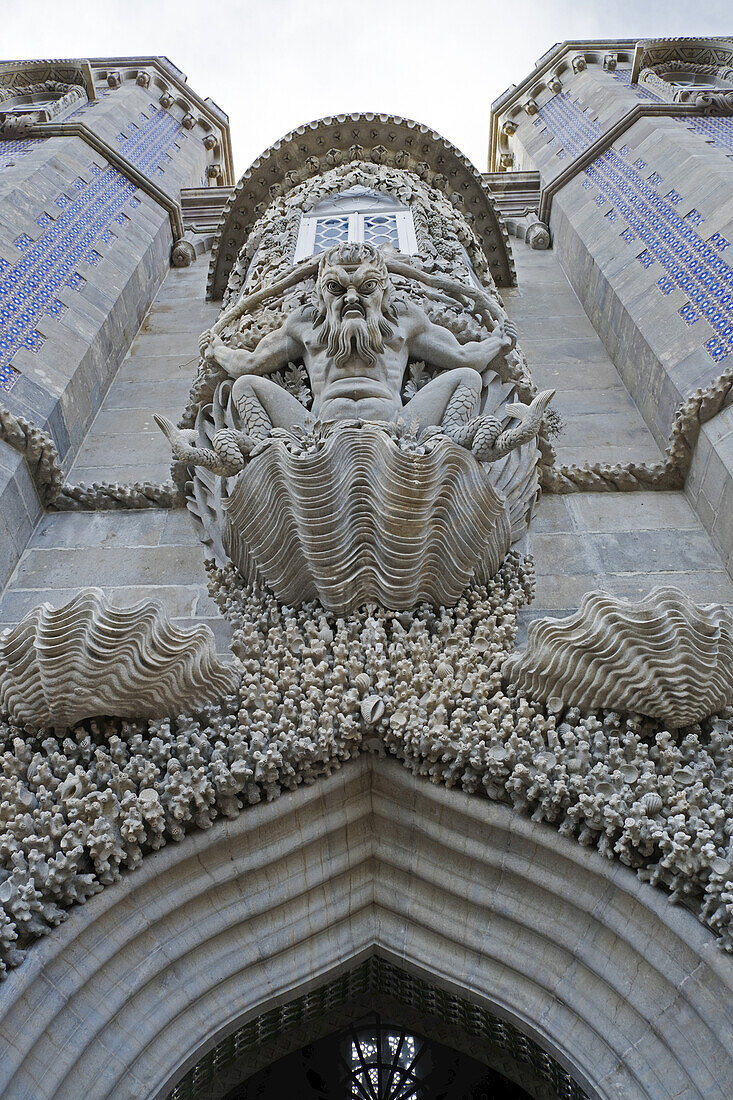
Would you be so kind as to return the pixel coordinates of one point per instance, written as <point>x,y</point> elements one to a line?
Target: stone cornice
<point>591,50</point>
<point>384,139</point>
<point>113,157</point>
<point>719,106</point>
<point>514,193</point>
<point>203,207</point>
<point>169,76</point>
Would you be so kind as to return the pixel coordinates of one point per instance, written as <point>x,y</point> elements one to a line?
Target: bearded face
<point>353,301</point>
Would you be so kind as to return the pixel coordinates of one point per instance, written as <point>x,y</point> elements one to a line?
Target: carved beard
<point>362,337</point>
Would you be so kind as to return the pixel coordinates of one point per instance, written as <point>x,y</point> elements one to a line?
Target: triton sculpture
<point>355,340</point>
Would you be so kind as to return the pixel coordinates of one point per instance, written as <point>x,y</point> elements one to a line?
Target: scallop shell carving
<point>59,666</point>
<point>358,518</point>
<point>663,656</point>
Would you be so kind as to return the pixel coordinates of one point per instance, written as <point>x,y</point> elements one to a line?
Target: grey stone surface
<point>484,903</point>
<point>602,423</point>
<point>625,544</point>
<point>124,444</point>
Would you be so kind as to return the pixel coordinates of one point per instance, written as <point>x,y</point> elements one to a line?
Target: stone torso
<point>356,388</point>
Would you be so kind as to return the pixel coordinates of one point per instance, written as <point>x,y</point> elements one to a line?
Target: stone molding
<point>705,104</point>
<point>166,78</point>
<point>515,194</point>
<point>620,987</point>
<point>318,146</point>
<point>54,493</point>
<point>94,141</point>
<point>203,207</point>
<point>565,58</point>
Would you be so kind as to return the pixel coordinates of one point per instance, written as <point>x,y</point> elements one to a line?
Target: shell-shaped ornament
<point>663,656</point>
<point>59,666</point>
<point>360,519</point>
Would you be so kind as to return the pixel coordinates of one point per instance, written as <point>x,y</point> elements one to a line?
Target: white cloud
<point>274,64</point>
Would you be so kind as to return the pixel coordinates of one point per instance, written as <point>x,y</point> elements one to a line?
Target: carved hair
<point>368,337</point>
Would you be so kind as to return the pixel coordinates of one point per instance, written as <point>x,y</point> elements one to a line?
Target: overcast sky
<point>274,64</point>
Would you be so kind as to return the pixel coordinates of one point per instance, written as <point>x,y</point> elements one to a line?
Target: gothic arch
<point>614,983</point>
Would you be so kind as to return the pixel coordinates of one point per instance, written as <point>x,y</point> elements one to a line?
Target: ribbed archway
<point>621,989</point>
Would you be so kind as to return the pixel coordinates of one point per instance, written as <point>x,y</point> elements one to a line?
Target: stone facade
<point>419,418</point>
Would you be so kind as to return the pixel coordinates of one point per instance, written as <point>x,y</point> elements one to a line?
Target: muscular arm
<point>439,347</point>
<point>274,351</point>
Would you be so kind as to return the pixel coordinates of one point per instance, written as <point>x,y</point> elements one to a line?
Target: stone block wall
<point>643,234</point>
<point>83,251</point>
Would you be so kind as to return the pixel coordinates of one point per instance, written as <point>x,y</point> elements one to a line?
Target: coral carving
<point>663,656</point>
<point>360,516</point>
<point>59,666</point>
<point>318,689</point>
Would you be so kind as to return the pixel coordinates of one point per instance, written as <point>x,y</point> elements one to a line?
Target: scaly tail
<point>225,460</point>
<point>531,420</point>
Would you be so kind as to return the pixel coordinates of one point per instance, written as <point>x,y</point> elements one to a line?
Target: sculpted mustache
<point>365,338</point>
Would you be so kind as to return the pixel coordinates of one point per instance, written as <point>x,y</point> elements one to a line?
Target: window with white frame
<point>358,214</point>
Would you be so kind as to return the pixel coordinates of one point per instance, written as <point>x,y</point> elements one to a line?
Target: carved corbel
<point>530,107</point>
<point>710,103</point>
<point>17,126</point>
<point>166,100</point>
<point>114,80</point>
<point>188,121</point>
<point>143,79</point>
<point>537,234</point>
<point>183,253</point>
<point>210,141</point>
<point>213,171</point>
<point>506,160</point>
<point>579,63</point>
<point>509,127</point>
<point>555,84</point>
<point>610,61</point>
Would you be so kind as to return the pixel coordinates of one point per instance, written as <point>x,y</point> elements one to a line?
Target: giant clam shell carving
<point>663,656</point>
<point>513,477</point>
<point>359,518</point>
<point>59,666</point>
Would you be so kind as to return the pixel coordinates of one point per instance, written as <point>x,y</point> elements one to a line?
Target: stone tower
<point>366,528</point>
